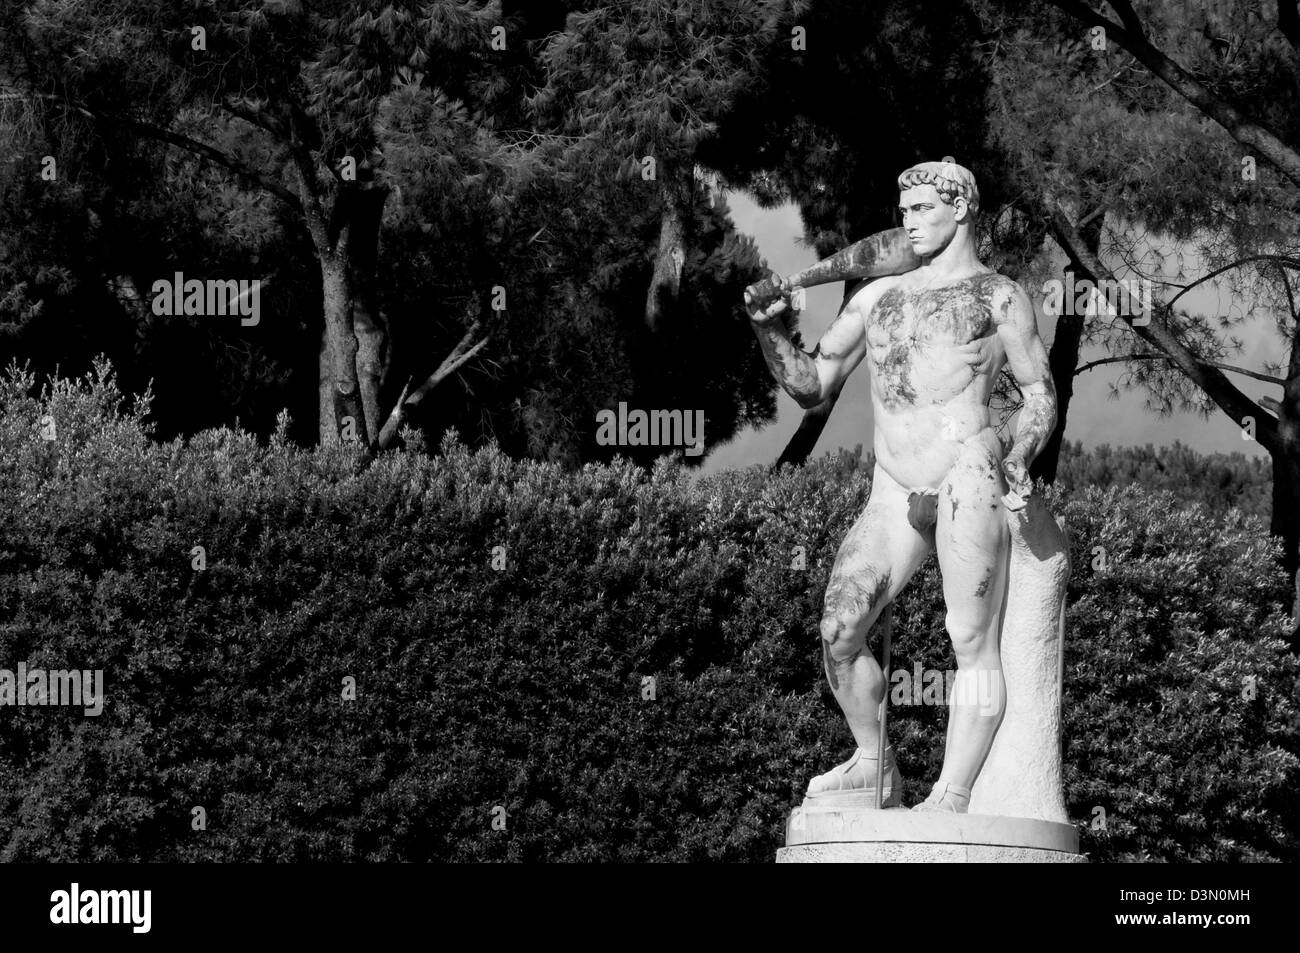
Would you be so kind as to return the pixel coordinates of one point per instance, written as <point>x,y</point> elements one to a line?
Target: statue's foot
<point>945,798</point>
<point>854,782</point>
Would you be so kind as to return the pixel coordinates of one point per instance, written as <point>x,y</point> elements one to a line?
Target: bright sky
<point>1093,418</point>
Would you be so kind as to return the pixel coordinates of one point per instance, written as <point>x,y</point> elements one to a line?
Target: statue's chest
<point>930,318</point>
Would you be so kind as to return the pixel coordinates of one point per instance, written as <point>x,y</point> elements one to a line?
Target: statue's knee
<point>969,636</point>
<point>851,600</point>
<point>843,637</point>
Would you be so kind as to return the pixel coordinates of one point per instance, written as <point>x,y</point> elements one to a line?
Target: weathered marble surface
<point>862,834</point>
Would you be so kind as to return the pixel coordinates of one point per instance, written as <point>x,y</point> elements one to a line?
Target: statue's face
<point>929,220</point>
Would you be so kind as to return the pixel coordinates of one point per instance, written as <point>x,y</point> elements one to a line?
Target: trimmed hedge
<point>525,688</point>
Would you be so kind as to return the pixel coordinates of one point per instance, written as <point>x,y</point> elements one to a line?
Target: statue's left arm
<point>1027,358</point>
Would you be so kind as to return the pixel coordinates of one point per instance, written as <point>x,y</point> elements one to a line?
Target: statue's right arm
<point>811,378</point>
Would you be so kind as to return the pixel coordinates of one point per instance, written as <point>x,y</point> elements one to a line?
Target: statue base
<point>849,834</point>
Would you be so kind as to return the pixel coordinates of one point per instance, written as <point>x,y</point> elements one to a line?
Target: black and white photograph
<point>643,432</point>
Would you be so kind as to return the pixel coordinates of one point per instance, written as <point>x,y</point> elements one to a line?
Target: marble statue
<point>935,328</point>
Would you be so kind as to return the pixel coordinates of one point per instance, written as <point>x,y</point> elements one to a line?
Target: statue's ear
<point>961,208</point>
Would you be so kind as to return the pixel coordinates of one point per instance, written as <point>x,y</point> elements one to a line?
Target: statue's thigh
<point>971,539</point>
<point>880,553</point>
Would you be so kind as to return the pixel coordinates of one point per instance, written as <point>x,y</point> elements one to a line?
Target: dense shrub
<point>1221,481</point>
<point>525,687</point>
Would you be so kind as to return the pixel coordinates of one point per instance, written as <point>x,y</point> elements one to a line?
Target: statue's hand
<point>767,299</point>
<point>1018,482</point>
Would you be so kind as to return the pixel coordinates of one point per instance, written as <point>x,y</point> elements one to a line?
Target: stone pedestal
<point>846,834</point>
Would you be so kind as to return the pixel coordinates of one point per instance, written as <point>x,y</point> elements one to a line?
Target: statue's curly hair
<point>948,178</point>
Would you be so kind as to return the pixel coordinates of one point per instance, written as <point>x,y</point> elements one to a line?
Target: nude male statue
<point>935,339</point>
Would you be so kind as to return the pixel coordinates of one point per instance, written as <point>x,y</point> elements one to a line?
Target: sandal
<point>854,782</point>
<point>939,800</point>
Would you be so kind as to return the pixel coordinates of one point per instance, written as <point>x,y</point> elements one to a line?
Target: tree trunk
<point>372,361</point>
<point>341,414</point>
<point>369,323</point>
<point>1285,522</point>
<point>344,393</point>
<point>1063,358</point>
<point>801,445</point>
<point>328,428</point>
<point>666,282</point>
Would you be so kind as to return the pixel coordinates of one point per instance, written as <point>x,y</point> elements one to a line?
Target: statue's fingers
<point>773,286</point>
<point>1015,502</point>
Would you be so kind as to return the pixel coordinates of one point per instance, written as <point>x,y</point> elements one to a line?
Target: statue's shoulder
<point>999,289</point>
<point>994,282</point>
<point>865,298</point>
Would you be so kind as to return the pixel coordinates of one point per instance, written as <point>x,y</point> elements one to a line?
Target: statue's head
<point>937,200</point>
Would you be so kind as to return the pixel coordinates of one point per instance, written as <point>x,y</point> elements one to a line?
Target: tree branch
<point>1160,336</point>
<point>257,117</point>
<point>410,400</point>
<point>1127,16</point>
<point>1293,362</point>
<point>212,154</point>
<point>1250,134</point>
<point>313,209</point>
<point>1290,296</point>
<point>1282,260</point>
<point>1124,358</point>
<point>201,149</point>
